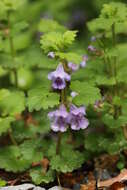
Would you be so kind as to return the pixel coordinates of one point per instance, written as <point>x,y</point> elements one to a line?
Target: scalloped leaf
<point>5,124</point>
<point>38,177</point>
<point>113,12</point>
<point>114,123</point>
<point>66,163</point>
<point>11,103</point>
<point>56,41</point>
<point>47,25</point>
<point>11,159</point>
<point>39,98</point>
<point>87,93</point>
<point>70,57</point>
<point>31,151</point>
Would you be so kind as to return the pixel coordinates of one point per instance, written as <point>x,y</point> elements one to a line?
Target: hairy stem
<point>63,101</point>
<point>12,138</point>
<point>12,50</point>
<point>116,92</point>
<point>58,143</point>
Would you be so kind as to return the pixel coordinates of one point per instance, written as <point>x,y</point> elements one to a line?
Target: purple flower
<point>59,78</point>
<point>59,119</point>
<point>84,60</point>
<point>73,94</point>
<point>73,67</point>
<point>76,118</point>
<point>91,48</point>
<point>51,54</point>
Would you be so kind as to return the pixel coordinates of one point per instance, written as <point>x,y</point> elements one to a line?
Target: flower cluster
<point>61,118</point>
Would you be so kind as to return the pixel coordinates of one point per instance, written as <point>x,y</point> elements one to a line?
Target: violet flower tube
<point>59,78</point>
<point>76,118</point>
<point>59,119</point>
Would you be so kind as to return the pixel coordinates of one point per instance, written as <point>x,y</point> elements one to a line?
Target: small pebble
<point>105,175</point>
<point>22,187</point>
<point>76,186</point>
<point>85,180</point>
<point>56,188</point>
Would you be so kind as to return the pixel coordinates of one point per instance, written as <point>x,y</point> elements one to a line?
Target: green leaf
<point>2,182</point>
<point>56,41</point>
<point>31,150</point>
<point>114,123</point>
<point>87,93</point>
<point>40,98</point>
<point>115,10</point>
<point>100,25</point>
<point>70,57</point>
<point>8,63</point>
<point>110,13</point>
<point>13,4</point>
<point>104,80</point>
<point>18,27</point>
<point>11,103</point>
<point>52,41</point>
<point>5,124</point>
<point>11,159</point>
<point>91,142</point>
<point>66,163</point>
<point>21,41</point>
<point>47,25</point>
<point>38,177</point>
<point>69,37</point>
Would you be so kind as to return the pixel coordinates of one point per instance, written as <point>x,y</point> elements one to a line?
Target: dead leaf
<point>45,164</point>
<point>91,185</point>
<point>107,183</point>
<point>117,186</point>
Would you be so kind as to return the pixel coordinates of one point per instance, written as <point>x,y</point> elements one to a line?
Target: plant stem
<point>14,71</point>
<point>116,92</point>
<point>12,50</point>
<point>58,179</point>
<point>58,143</point>
<point>12,138</point>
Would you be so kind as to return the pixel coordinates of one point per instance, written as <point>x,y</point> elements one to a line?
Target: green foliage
<point>70,57</point>
<point>114,123</point>
<point>11,103</point>
<point>26,95</point>
<point>66,163</point>
<point>2,182</point>
<point>38,176</point>
<point>88,93</point>
<point>11,159</point>
<point>19,158</point>
<point>5,124</point>
<point>40,98</point>
<point>111,13</point>
<point>47,25</point>
<point>57,41</point>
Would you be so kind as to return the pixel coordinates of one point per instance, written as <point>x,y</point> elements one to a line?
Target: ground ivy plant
<point>60,106</point>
